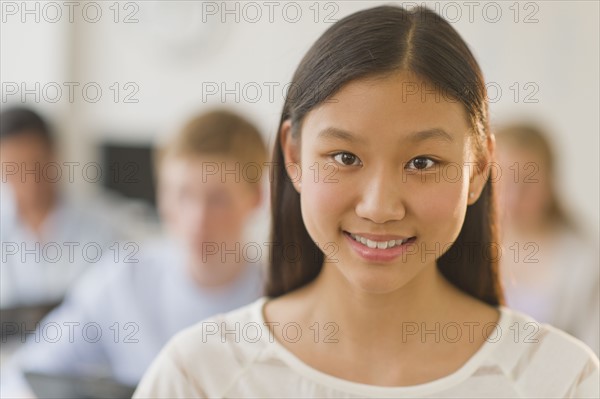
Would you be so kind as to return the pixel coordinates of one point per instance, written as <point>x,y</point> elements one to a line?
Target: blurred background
<point>114,79</point>
<point>157,62</point>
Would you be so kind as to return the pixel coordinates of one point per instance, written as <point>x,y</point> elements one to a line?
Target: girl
<point>560,285</point>
<point>383,277</point>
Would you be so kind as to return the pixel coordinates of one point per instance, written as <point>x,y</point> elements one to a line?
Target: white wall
<point>34,53</point>
<point>169,54</point>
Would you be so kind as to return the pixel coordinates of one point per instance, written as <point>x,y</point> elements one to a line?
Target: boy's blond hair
<point>217,133</point>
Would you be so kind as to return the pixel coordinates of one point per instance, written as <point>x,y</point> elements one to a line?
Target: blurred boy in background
<point>43,232</point>
<point>549,266</point>
<point>198,272</point>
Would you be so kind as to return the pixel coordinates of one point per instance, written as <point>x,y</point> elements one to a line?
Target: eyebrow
<point>430,134</point>
<point>334,133</point>
<point>414,137</point>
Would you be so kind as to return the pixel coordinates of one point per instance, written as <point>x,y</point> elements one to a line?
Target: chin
<point>378,279</point>
<point>199,257</point>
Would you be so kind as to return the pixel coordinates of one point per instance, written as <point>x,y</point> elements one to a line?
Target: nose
<point>197,217</point>
<point>381,198</point>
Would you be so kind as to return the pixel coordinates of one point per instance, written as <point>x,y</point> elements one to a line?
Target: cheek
<point>440,209</point>
<point>230,218</point>
<point>323,204</point>
<point>539,194</point>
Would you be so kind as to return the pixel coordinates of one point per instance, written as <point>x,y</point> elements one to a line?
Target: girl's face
<point>386,159</point>
<point>525,191</point>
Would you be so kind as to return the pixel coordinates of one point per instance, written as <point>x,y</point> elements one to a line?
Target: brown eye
<point>421,163</point>
<point>346,158</point>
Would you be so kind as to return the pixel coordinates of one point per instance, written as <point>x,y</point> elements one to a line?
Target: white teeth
<point>382,245</point>
<point>377,244</point>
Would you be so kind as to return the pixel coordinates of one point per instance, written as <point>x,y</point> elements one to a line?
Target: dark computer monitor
<point>19,321</point>
<point>127,169</point>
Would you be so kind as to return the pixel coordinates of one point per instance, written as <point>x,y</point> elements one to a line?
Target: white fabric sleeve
<point>167,378</point>
<point>589,384</point>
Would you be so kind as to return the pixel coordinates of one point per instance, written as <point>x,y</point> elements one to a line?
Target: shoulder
<point>211,355</point>
<point>235,336</point>
<point>543,360</point>
<point>100,219</point>
<point>121,274</point>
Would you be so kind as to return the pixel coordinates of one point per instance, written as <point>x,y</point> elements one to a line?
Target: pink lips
<point>376,254</point>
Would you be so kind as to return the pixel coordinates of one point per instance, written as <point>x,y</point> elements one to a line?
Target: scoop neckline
<point>352,387</point>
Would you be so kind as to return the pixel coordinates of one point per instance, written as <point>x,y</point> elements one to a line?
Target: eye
<point>421,163</point>
<point>346,159</point>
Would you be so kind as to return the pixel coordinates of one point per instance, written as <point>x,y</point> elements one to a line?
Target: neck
<point>34,213</point>
<point>378,317</point>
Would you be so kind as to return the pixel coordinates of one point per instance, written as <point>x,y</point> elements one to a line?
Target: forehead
<point>397,104</point>
<point>27,140</point>
<point>201,171</point>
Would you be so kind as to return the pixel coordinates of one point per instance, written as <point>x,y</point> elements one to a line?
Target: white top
<point>124,314</point>
<point>555,281</point>
<point>201,363</point>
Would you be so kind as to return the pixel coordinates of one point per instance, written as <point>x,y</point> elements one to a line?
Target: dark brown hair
<point>371,43</point>
<point>19,120</point>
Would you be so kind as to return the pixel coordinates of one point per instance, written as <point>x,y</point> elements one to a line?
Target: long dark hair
<point>376,42</point>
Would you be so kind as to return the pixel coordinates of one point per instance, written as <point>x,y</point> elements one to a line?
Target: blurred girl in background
<point>549,267</point>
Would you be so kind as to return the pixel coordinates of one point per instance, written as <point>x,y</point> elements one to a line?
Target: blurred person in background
<point>198,270</point>
<point>43,230</point>
<point>549,266</point>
